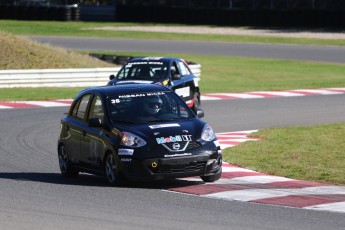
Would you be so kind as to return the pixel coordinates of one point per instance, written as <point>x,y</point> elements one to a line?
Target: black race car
<point>136,132</point>
<point>173,73</point>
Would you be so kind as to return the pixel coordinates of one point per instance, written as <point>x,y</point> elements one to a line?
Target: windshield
<point>148,107</point>
<point>143,70</point>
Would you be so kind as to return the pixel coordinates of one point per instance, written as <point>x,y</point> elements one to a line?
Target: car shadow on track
<point>91,180</point>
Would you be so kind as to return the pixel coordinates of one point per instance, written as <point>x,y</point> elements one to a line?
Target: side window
<point>75,109</point>
<point>97,109</point>
<point>183,68</point>
<point>174,69</point>
<point>80,107</point>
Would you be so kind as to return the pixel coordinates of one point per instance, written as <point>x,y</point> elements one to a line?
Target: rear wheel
<point>111,171</point>
<point>66,168</point>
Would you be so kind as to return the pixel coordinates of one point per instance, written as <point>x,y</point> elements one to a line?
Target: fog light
<point>154,165</point>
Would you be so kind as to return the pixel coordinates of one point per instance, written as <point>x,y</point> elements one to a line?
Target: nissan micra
<point>136,132</point>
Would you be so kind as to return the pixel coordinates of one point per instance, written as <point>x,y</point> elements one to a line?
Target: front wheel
<point>111,171</point>
<point>66,168</point>
<point>212,178</point>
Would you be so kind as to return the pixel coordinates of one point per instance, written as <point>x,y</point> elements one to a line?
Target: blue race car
<point>136,132</point>
<point>173,73</point>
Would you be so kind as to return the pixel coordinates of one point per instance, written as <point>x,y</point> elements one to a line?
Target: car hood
<point>162,132</point>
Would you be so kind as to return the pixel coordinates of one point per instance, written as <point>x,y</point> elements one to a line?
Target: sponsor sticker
<point>115,131</point>
<point>135,81</point>
<point>183,92</point>
<point>139,95</point>
<point>152,58</point>
<point>155,63</point>
<point>177,138</point>
<point>177,155</point>
<point>136,63</point>
<point>126,152</point>
<point>164,126</point>
<point>126,160</point>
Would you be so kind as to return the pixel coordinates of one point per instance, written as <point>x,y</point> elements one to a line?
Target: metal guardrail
<point>63,77</point>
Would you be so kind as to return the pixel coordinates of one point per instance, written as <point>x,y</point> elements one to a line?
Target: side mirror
<point>200,113</point>
<point>95,122</point>
<point>176,77</point>
<point>111,77</point>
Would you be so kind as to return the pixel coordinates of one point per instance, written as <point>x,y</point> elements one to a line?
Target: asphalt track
<point>289,52</point>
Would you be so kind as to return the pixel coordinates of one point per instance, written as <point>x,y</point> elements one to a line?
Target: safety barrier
<point>63,77</point>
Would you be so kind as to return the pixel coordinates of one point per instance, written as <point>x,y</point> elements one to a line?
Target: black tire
<point>66,168</point>
<point>197,102</point>
<point>212,178</point>
<point>112,174</point>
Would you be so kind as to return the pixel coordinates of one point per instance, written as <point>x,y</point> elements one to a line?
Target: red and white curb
<point>230,139</point>
<point>246,185</point>
<point>204,97</point>
<point>35,104</point>
<point>270,94</point>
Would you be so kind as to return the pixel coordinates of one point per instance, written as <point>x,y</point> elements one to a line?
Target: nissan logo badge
<point>176,146</point>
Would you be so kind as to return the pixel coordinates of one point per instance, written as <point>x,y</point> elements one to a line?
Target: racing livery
<point>173,73</point>
<point>136,132</point>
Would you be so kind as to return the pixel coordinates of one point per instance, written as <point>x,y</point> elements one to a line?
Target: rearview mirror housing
<point>200,113</point>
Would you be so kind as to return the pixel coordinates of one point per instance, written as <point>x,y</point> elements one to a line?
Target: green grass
<point>86,29</point>
<point>24,94</point>
<point>314,153</point>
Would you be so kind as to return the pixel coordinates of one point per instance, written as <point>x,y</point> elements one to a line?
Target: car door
<point>74,126</point>
<point>184,87</point>
<point>91,141</point>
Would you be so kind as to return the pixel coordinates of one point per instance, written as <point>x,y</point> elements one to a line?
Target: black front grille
<point>193,144</point>
<point>192,167</point>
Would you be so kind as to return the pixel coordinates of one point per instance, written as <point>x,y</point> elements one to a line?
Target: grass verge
<point>21,53</point>
<point>314,153</point>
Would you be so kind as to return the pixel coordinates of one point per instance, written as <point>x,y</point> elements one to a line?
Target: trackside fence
<point>63,77</point>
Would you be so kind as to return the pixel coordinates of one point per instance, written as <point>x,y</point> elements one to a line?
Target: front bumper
<point>202,164</point>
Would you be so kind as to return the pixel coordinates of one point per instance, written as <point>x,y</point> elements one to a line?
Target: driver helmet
<point>153,104</point>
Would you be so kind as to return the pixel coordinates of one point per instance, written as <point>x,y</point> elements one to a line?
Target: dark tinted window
<point>96,109</point>
<point>80,107</point>
<point>148,107</point>
<point>143,70</point>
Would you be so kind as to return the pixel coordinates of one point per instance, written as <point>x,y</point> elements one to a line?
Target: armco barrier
<point>62,77</point>
<point>55,77</point>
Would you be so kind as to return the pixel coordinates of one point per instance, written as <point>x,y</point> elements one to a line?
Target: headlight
<point>207,133</point>
<point>131,140</point>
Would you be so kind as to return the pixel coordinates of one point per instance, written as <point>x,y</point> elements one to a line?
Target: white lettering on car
<point>126,152</point>
<point>178,155</point>
<point>163,126</point>
<point>183,92</point>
